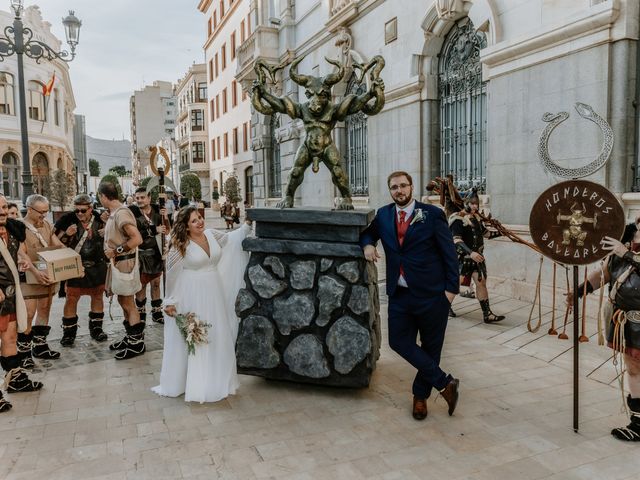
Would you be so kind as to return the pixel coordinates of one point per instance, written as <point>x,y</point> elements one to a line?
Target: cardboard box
<point>59,264</point>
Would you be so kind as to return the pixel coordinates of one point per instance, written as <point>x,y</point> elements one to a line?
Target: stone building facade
<point>50,118</point>
<point>192,123</point>
<point>467,83</point>
<point>228,27</point>
<point>152,114</point>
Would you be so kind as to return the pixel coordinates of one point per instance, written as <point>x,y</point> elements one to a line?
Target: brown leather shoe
<point>450,394</point>
<point>419,408</point>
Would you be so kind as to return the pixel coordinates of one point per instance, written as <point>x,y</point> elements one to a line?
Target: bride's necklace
<point>203,243</point>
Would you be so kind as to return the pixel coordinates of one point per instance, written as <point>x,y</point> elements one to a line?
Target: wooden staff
<point>162,196</point>
<point>552,330</point>
<point>583,338</point>
<point>563,335</point>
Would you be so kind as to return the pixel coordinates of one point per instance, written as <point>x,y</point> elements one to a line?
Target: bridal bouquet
<point>194,331</point>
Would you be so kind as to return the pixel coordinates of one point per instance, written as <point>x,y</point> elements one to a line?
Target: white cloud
<point>125,44</point>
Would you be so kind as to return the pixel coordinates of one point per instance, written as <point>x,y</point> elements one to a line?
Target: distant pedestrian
<point>170,207</point>
<point>14,212</point>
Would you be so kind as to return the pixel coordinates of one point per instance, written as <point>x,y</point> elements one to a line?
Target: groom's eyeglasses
<point>81,210</point>
<point>395,188</point>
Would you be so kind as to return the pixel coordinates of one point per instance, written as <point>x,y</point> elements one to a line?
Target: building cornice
<point>589,28</point>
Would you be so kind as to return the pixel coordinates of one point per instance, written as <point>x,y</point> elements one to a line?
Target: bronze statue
<point>319,116</point>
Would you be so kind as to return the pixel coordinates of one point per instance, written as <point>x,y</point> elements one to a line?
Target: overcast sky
<point>125,44</point>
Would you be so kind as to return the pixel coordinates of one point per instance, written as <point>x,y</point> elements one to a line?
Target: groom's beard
<point>403,203</point>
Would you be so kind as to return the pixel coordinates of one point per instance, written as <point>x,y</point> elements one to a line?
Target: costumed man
<point>121,239</point>
<point>38,296</point>
<point>83,231</point>
<point>13,257</point>
<point>622,272</point>
<point>468,235</point>
<point>422,281</point>
<point>149,222</point>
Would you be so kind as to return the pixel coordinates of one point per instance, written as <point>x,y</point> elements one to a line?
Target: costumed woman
<point>204,280</point>
<point>622,271</point>
<point>468,234</point>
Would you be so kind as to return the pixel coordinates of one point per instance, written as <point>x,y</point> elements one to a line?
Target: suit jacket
<point>428,255</point>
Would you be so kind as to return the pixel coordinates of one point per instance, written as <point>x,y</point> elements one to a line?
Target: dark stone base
<point>310,309</point>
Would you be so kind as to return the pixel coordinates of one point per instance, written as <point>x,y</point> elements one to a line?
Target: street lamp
<point>19,40</point>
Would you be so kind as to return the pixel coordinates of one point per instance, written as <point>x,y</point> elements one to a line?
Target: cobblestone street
<point>97,418</point>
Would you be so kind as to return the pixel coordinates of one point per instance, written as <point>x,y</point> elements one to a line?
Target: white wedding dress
<point>206,285</point>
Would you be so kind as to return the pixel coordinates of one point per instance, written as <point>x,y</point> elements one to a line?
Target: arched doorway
<point>60,164</point>
<point>356,157</point>
<point>11,175</point>
<point>463,106</point>
<point>39,172</point>
<point>248,182</point>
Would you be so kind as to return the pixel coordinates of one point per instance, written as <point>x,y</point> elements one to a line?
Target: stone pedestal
<point>310,309</point>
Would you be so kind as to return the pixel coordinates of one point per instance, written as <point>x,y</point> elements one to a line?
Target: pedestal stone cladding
<point>310,309</point>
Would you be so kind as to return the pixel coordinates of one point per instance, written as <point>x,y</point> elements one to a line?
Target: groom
<point>422,281</point>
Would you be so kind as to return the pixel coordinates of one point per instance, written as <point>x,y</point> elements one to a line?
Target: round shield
<point>569,220</point>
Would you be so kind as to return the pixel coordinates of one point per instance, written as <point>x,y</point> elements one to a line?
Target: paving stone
<point>294,312</point>
<point>359,299</point>
<point>244,301</point>
<point>305,357</point>
<point>263,282</point>
<point>255,345</point>
<point>330,294</point>
<point>302,274</point>
<point>275,265</point>
<point>349,270</point>
<point>349,343</point>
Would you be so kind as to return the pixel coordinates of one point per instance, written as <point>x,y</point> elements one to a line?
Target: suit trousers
<point>409,316</point>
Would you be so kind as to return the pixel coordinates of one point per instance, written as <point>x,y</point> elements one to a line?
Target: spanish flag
<point>48,88</point>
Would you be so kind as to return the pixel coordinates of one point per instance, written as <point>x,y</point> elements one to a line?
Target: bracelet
<point>120,248</point>
<point>463,248</point>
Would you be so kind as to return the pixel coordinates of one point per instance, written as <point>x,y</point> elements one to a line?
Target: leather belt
<point>128,256</point>
<point>633,316</point>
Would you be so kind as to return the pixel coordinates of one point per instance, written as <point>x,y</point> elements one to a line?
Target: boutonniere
<point>417,217</point>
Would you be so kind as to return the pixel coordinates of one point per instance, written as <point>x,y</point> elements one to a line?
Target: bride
<point>205,280</point>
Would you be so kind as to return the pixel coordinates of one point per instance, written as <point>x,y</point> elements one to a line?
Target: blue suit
<point>430,266</point>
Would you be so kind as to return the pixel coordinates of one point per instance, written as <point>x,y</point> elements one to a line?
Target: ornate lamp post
<point>19,40</point>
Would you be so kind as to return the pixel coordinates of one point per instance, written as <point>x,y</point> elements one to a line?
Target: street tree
<point>94,167</point>
<point>59,188</point>
<point>119,170</point>
<point>232,189</point>
<point>190,186</point>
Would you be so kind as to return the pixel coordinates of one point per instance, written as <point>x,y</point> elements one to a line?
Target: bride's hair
<point>180,230</point>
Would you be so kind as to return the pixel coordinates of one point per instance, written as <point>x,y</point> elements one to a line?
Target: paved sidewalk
<point>99,420</point>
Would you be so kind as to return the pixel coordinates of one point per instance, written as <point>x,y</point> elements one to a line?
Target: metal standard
<point>569,220</point>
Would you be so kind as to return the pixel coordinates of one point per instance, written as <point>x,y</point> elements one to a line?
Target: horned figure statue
<point>319,116</point>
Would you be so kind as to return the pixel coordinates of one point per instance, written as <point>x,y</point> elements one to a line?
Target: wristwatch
<point>120,249</point>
